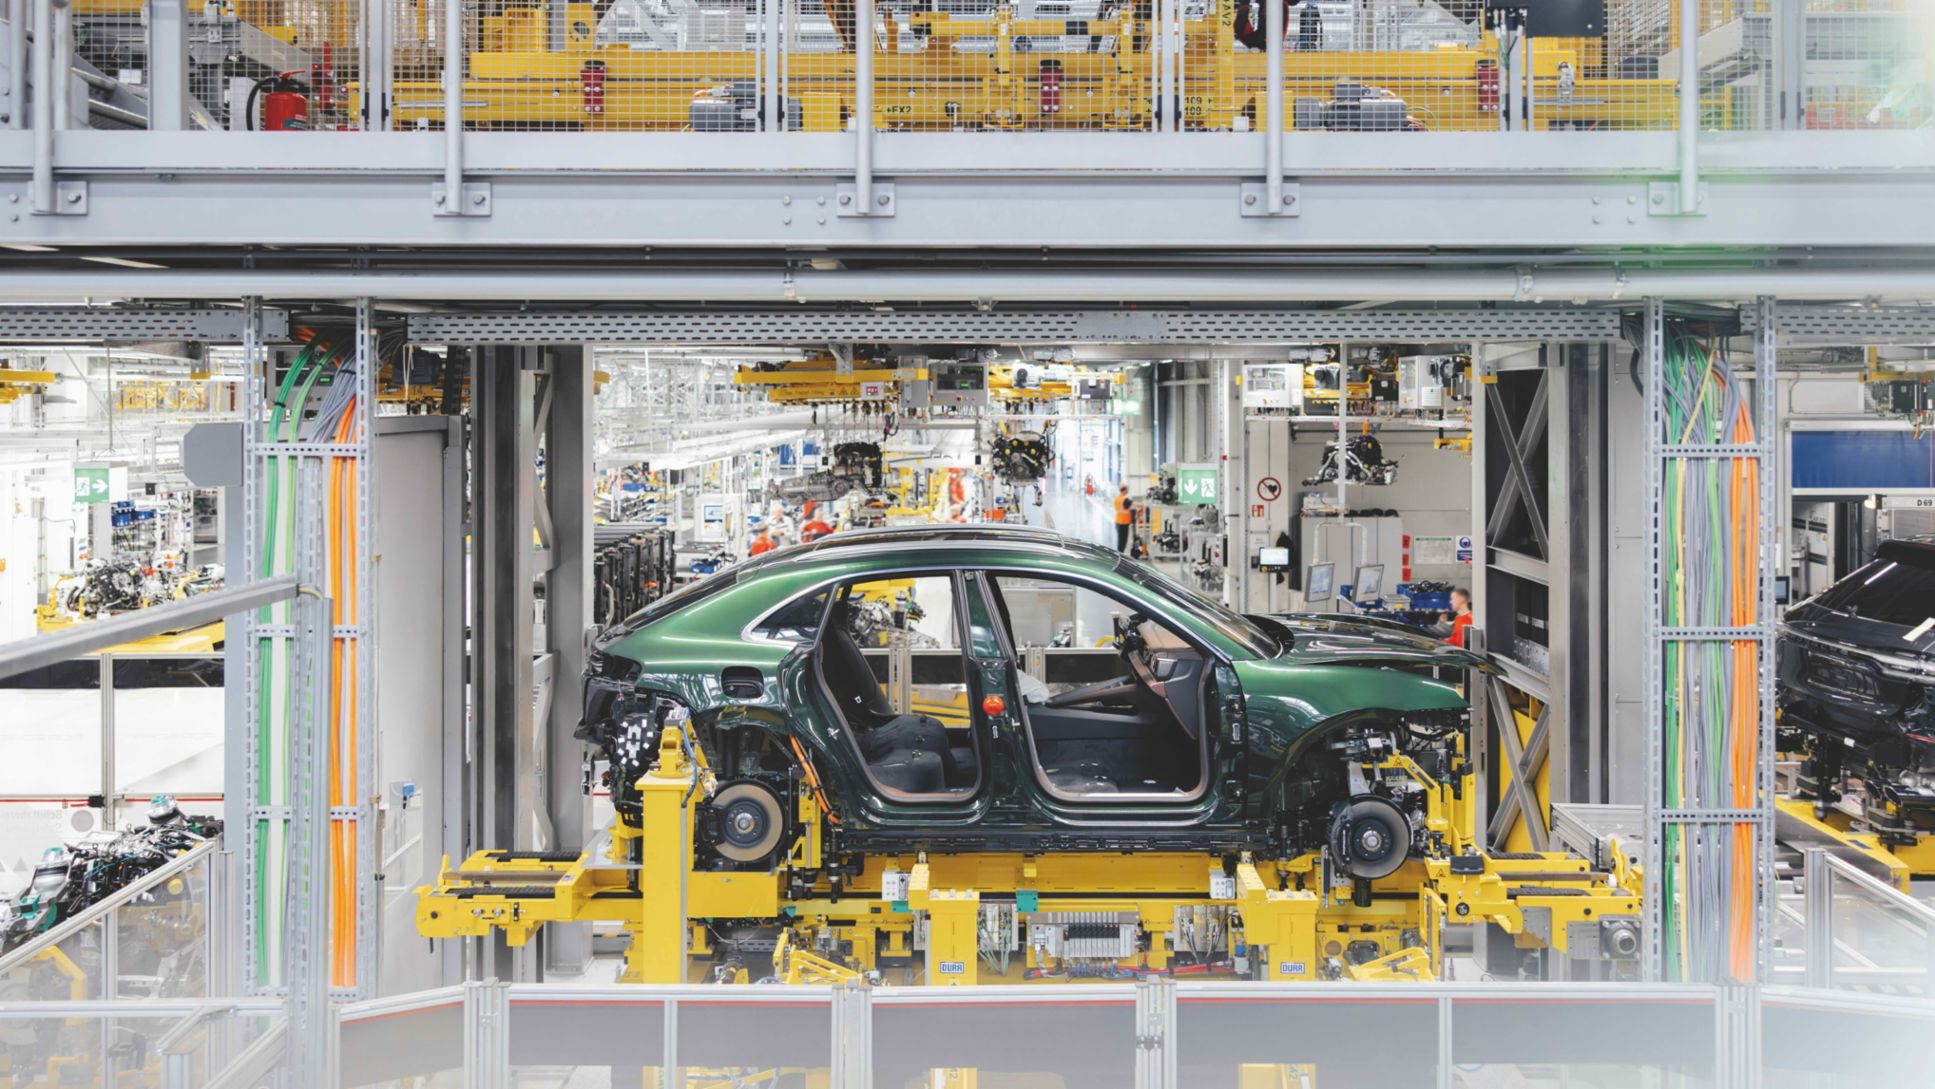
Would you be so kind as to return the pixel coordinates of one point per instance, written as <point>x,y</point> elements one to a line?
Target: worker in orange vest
<point>1124,518</point>
<point>761,543</point>
<point>1459,616</point>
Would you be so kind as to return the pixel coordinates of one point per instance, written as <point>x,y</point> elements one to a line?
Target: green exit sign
<point>1196,483</point>
<point>91,485</point>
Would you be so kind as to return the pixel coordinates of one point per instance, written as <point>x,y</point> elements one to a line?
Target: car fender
<point>1292,706</point>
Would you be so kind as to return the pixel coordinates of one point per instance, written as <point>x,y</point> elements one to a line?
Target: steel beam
<point>1275,286</point>
<point>1146,326</point>
<point>226,194</point>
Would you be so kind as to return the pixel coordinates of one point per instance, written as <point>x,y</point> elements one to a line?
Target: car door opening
<point>925,749</point>
<point>1123,721</point>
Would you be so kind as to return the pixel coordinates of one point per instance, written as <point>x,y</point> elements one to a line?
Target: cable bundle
<point>1711,559</point>
<point>335,421</point>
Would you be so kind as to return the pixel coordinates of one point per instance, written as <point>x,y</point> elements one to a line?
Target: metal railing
<point>1384,72</point>
<point>1149,1035</point>
<point>1862,933</point>
<point>163,936</point>
<point>100,986</point>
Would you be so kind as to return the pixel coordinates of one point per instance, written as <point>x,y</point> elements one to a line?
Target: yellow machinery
<point>956,919</point>
<point>13,383</point>
<point>1905,859</point>
<point>817,380</point>
<point>923,82</point>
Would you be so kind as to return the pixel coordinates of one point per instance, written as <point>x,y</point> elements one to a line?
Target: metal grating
<point>1853,325</point>
<point>99,324</point>
<point>1057,326</point>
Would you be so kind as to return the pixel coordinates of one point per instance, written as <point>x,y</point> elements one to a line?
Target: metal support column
<point>454,196</point>
<point>487,1035</point>
<point>863,105</point>
<point>568,627</point>
<point>19,13</point>
<point>60,88</point>
<point>1539,504</point>
<point>110,799</point>
<point>771,78</point>
<point>43,107</point>
<point>167,65</point>
<point>1234,483</point>
<point>1790,63</point>
<point>1273,108</point>
<point>1818,919</point>
<point>377,65</point>
<point>1689,106</point>
<point>503,493</point>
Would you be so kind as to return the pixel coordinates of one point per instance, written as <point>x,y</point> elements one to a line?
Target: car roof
<point>992,536</point>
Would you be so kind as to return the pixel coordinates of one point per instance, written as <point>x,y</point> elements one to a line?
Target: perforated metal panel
<point>100,324</point>
<point>1855,325</point>
<point>1052,326</point>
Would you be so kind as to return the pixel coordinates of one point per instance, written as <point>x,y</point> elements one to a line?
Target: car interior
<point>929,750</point>
<point>1136,731</point>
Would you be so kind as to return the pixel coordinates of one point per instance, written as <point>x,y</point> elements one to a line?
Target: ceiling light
<point>27,247</point>
<point>124,262</point>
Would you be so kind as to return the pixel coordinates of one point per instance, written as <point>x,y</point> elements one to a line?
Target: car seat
<point>906,752</point>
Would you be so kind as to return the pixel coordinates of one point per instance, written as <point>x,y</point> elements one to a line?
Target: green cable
<point>264,699</point>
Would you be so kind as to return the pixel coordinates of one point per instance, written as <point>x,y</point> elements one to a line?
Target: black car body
<point>1857,686</point>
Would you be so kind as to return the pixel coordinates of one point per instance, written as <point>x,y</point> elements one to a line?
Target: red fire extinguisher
<point>285,104</point>
<point>591,86</point>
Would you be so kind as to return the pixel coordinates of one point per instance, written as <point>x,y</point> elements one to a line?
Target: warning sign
<point>1269,489</point>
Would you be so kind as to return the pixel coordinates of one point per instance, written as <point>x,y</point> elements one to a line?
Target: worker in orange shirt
<point>762,542</point>
<point>1124,518</point>
<point>1459,616</point>
<point>813,530</point>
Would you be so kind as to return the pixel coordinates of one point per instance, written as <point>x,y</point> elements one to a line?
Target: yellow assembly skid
<point>957,919</point>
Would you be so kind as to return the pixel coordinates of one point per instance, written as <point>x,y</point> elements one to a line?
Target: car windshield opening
<point>1239,629</point>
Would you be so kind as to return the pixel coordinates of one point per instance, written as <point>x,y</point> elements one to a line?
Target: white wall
<point>1432,493</point>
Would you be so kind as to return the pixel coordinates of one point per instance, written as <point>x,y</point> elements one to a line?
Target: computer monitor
<point>1317,587</point>
<point>1272,559</point>
<point>1369,585</point>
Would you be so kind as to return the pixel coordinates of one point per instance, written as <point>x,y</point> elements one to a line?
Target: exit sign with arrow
<point>1197,483</point>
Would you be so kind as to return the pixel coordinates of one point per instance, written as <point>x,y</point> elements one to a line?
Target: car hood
<point>1858,632</point>
<point>1810,626</point>
<point>1336,639</point>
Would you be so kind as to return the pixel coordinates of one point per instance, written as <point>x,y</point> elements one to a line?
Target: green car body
<point>1280,695</point>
